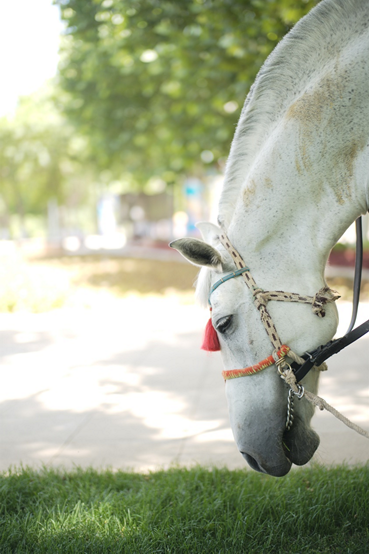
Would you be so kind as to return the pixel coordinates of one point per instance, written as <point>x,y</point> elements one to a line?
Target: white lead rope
<point>289,377</point>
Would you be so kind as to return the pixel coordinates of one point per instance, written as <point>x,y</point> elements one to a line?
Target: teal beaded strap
<point>226,278</point>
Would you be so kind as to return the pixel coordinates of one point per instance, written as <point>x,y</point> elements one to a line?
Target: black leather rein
<point>325,351</point>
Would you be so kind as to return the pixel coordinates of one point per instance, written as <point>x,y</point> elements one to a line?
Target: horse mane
<point>300,57</point>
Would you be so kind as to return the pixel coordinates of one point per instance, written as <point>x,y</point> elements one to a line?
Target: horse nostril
<point>277,468</point>
<point>253,463</point>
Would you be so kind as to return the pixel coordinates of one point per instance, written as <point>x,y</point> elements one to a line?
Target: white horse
<point>297,177</point>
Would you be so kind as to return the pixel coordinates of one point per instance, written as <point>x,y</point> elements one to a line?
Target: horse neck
<point>308,180</point>
<point>287,220</point>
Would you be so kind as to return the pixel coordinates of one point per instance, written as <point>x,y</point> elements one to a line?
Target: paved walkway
<point>126,385</point>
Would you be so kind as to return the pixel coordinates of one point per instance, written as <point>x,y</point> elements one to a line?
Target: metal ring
<point>300,393</point>
<point>286,366</point>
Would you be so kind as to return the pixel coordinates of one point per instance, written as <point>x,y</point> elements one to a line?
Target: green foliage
<point>41,158</point>
<point>156,83</point>
<point>197,510</point>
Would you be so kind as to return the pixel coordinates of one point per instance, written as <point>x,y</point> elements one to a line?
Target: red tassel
<point>211,341</point>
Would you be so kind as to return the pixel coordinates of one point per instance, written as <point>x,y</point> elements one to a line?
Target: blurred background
<point>116,118</point>
<point>116,121</point>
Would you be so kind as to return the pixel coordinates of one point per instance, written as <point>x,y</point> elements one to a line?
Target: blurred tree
<point>41,159</point>
<point>158,85</point>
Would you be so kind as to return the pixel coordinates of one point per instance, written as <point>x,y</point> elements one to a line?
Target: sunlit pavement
<point>126,385</point>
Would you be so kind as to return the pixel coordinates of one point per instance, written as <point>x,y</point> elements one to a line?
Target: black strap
<point>358,271</point>
<point>325,351</point>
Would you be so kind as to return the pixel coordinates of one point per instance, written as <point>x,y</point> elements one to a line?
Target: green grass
<point>199,510</point>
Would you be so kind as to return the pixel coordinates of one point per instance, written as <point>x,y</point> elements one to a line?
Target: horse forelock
<point>298,58</point>
<point>203,284</point>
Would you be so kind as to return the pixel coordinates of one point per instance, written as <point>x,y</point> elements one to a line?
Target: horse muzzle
<point>275,457</point>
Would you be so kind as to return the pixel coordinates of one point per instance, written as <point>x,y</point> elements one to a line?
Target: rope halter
<point>261,298</point>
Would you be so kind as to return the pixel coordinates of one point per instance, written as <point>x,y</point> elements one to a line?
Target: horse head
<point>258,401</point>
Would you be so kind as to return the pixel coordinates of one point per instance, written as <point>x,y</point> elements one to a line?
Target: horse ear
<point>198,253</point>
<point>209,232</point>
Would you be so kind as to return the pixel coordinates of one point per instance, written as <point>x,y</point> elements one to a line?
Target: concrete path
<point>126,385</point>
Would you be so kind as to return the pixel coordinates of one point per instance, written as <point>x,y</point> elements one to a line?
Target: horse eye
<point>223,323</point>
